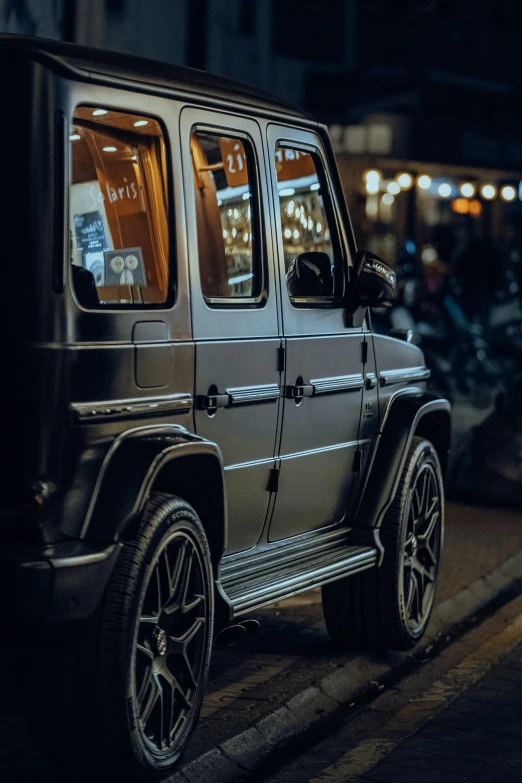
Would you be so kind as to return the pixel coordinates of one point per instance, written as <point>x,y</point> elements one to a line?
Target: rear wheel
<point>389,607</point>
<point>155,640</point>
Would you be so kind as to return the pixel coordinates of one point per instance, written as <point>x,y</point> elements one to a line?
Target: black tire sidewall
<point>164,517</point>
<point>394,531</point>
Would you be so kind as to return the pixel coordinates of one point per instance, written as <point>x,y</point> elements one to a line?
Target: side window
<point>313,261</point>
<point>118,210</point>
<point>226,210</point>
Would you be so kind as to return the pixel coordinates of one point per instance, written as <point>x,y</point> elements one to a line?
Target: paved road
<point>459,718</point>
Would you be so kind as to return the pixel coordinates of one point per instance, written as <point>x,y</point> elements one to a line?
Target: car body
<point>136,370</point>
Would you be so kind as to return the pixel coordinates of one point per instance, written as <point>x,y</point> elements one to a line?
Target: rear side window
<point>226,213</point>
<point>118,210</point>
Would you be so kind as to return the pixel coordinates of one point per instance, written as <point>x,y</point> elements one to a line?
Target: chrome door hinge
<point>273,480</point>
<point>357,461</point>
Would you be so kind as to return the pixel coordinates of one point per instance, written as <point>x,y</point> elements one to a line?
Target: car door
<point>324,358</point>
<point>234,310</point>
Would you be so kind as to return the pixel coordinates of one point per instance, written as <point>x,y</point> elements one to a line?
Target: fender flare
<point>408,414</point>
<point>144,459</point>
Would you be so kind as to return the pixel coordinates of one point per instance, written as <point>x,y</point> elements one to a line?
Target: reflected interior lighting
<point>467,189</point>
<point>229,213</point>
<point>109,149</point>
<point>290,208</point>
<point>246,196</point>
<point>405,180</point>
<point>234,233</point>
<point>318,228</point>
<point>310,224</point>
<point>225,233</point>
<point>219,202</point>
<point>372,175</point>
<point>372,187</point>
<point>288,233</point>
<point>488,192</point>
<point>394,188</point>
<point>296,234</point>
<point>74,137</point>
<point>134,157</point>
<point>315,186</point>
<point>508,193</point>
<point>444,190</point>
<point>388,199</point>
<point>99,112</point>
<point>139,123</point>
<point>236,214</point>
<point>245,236</point>
<point>287,192</point>
<point>424,181</point>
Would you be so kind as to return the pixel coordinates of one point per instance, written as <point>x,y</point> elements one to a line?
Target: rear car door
<point>324,359</point>
<point>234,310</point>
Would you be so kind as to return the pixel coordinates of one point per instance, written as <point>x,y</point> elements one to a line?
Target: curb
<point>238,757</point>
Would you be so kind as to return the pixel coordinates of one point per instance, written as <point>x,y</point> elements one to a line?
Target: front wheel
<point>389,607</point>
<point>155,641</point>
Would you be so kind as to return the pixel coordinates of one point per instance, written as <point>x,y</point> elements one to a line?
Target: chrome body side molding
<point>123,409</point>
<point>246,394</point>
<point>337,384</point>
<point>406,374</point>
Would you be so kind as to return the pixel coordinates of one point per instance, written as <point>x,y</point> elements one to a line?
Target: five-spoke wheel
<point>170,640</point>
<point>422,545</point>
<point>155,640</point>
<point>389,607</point>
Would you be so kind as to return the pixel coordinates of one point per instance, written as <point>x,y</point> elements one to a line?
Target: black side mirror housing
<point>310,274</point>
<point>375,283</point>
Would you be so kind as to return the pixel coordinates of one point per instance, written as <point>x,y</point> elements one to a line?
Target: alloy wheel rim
<point>421,550</point>
<point>170,643</point>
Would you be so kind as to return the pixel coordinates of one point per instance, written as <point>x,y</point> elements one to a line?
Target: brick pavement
<point>478,737</point>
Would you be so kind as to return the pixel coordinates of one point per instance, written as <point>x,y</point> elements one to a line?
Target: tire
<point>389,607</point>
<point>154,644</point>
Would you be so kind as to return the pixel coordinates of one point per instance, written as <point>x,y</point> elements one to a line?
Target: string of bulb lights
<point>375,183</point>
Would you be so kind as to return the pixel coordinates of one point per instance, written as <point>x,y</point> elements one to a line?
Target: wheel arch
<point>420,414</point>
<point>165,458</point>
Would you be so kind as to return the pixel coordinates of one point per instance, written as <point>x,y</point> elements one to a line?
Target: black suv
<point>198,419</point>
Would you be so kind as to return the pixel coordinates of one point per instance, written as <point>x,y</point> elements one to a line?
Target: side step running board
<point>329,558</point>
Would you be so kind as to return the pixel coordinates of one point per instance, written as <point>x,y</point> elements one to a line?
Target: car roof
<point>87,62</point>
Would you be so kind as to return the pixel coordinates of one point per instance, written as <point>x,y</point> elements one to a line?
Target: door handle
<point>210,402</point>
<point>297,392</point>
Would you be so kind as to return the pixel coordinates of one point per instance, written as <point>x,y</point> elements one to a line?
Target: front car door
<point>324,359</point>
<point>234,310</point>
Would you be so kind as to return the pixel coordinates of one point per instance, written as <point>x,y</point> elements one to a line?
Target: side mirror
<point>375,283</point>
<point>310,274</point>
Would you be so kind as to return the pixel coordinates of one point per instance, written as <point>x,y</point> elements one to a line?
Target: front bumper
<point>58,582</point>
